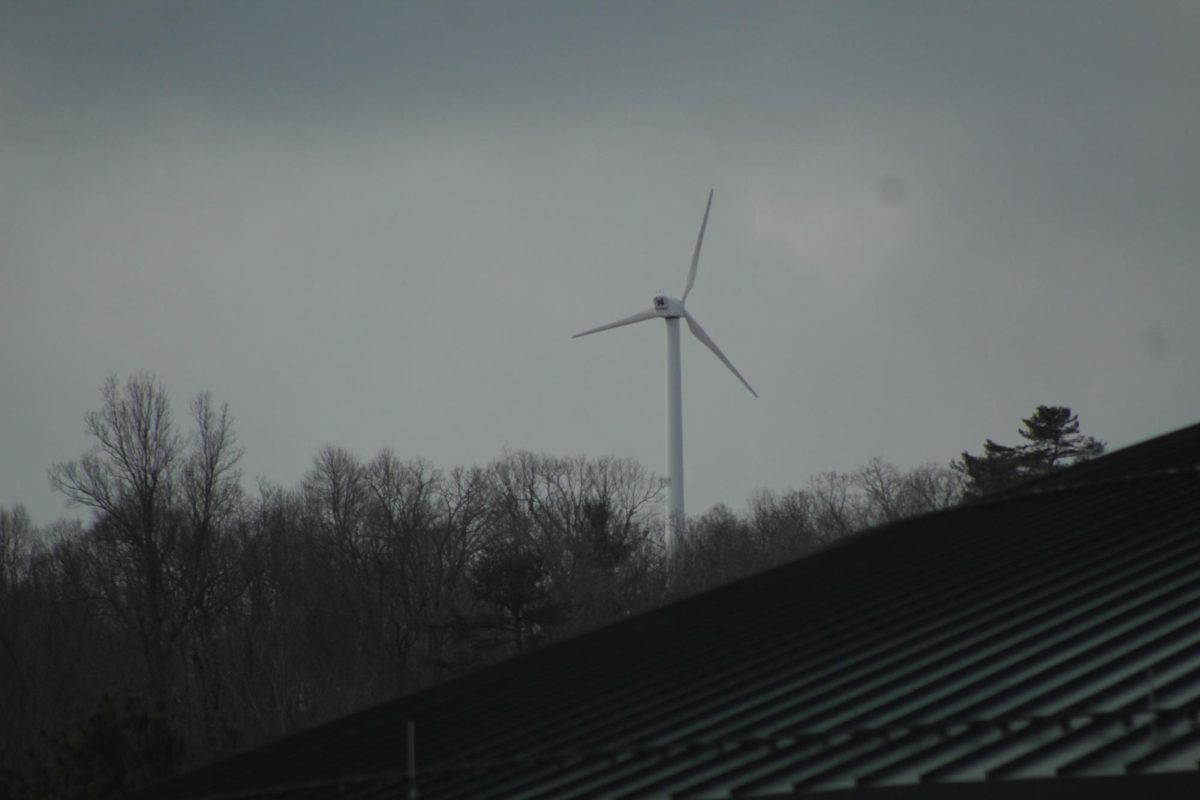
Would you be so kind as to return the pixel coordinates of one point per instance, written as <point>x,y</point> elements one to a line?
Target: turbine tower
<point>671,309</point>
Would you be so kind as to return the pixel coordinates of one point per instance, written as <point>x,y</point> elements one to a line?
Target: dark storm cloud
<point>306,63</point>
<point>491,58</point>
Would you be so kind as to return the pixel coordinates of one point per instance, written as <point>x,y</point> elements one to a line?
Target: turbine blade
<point>699,333</point>
<point>696,255</point>
<point>641,316</point>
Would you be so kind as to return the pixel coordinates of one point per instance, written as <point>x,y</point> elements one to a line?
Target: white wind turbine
<point>671,309</point>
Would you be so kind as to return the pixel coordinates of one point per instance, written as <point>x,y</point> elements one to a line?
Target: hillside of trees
<point>191,617</point>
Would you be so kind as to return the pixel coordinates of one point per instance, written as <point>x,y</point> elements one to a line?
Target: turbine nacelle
<point>668,307</point>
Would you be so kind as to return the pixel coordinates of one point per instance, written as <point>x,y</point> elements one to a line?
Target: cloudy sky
<point>373,224</point>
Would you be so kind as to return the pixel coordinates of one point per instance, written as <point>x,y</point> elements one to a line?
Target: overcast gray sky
<point>374,224</point>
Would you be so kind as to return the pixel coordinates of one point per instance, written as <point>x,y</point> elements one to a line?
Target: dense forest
<point>191,617</point>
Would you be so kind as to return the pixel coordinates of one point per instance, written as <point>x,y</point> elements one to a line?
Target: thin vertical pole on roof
<point>1151,705</point>
<point>410,739</point>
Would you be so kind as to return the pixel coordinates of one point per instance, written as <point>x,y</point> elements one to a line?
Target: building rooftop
<point>1041,642</point>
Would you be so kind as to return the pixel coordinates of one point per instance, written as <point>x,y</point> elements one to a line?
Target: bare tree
<point>211,477</point>
<point>590,523</point>
<point>16,542</point>
<point>209,561</point>
<point>893,494</point>
<point>783,524</point>
<point>838,507</point>
<point>16,606</point>
<point>158,553</point>
<point>335,493</point>
<point>934,486</point>
<point>716,548</point>
<point>406,569</point>
<point>128,479</point>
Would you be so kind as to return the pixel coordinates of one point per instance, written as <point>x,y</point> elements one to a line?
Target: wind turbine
<point>671,309</point>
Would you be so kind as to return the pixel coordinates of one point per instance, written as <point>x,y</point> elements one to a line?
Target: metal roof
<point>1044,642</point>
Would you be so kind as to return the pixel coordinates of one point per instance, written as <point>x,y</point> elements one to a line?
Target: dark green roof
<point>1044,642</point>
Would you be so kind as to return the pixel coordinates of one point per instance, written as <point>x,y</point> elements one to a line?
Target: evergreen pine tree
<point>1053,442</point>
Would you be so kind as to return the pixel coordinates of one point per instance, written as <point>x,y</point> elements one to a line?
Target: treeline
<point>190,617</point>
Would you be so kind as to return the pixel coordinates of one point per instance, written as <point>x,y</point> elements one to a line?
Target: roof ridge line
<point>1055,484</point>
